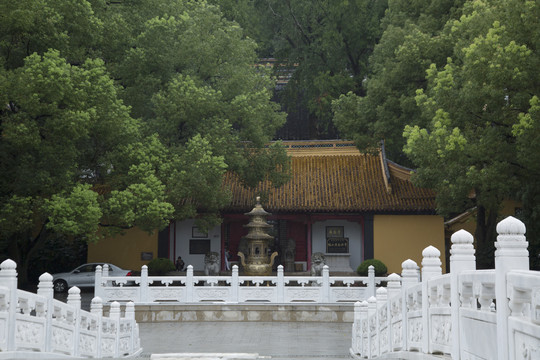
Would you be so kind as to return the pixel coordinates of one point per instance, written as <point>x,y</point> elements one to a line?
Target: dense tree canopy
<point>411,41</point>
<point>122,114</point>
<point>324,44</point>
<point>461,78</point>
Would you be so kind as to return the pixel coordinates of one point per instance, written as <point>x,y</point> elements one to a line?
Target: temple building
<point>348,205</point>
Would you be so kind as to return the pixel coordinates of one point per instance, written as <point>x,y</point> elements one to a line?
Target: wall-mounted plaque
<point>337,245</point>
<point>334,232</point>
<point>147,255</point>
<point>199,246</point>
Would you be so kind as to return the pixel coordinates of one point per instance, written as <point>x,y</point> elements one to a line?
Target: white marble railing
<point>466,314</point>
<point>235,288</point>
<point>36,326</point>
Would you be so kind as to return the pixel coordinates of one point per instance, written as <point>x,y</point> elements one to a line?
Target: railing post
<point>106,274</point>
<point>74,300</point>
<point>393,287</point>
<point>189,283</point>
<point>130,315</point>
<point>144,295</point>
<point>114,314</point>
<point>326,284</point>
<point>461,258</point>
<point>373,331</point>
<point>371,281</point>
<point>45,289</point>
<point>96,308</point>
<point>280,285</point>
<point>98,286</point>
<point>431,266</point>
<point>8,278</point>
<point>511,254</point>
<point>409,277</point>
<point>235,284</point>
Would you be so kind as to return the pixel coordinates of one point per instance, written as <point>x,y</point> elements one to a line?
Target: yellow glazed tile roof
<point>334,179</point>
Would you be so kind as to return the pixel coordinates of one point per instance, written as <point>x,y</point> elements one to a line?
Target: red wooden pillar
<point>309,224</point>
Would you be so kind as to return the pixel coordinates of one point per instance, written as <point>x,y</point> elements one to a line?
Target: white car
<point>83,276</point>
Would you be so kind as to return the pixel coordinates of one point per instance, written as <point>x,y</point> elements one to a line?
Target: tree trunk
<point>486,235</point>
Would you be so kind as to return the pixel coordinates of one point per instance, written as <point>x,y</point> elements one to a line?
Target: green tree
<point>473,104</point>
<point>413,38</point>
<point>84,156</point>
<point>328,44</point>
<point>62,131</point>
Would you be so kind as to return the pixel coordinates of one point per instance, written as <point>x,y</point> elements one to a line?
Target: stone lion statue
<point>211,263</point>
<point>318,260</point>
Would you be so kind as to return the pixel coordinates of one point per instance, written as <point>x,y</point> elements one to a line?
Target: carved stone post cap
<point>409,265</point>
<point>462,237</point>
<point>511,226</point>
<point>381,291</point>
<point>393,277</point>
<point>8,265</point>
<point>45,277</point>
<point>74,291</point>
<point>97,300</point>
<point>431,252</point>
<point>371,300</point>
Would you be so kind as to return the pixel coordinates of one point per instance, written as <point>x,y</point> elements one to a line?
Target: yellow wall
<point>125,250</point>
<point>401,237</point>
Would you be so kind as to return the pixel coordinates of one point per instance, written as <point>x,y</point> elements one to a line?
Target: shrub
<point>380,268</point>
<point>160,266</point>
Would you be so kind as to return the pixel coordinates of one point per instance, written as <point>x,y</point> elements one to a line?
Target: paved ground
<point>278,340</point>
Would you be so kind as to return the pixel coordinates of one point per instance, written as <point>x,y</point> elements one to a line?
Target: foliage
<point>84,156</point>
<point>380,267</point>
<point>327,43</point>
<point>413,38</point>
<point>160,266</point>
<point>473,104</point>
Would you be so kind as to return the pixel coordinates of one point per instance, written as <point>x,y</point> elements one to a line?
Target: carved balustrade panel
<point>524,322</point>
<point>477,316</point>
<point>120,294</point>
<point>396,322</point>
<point>440,319</point>
<point>88,335</point>
<point>414,317</point>
<point>167,293</point>
<point>211,293</point>
<point>108,337</point>
<point>384,330</point>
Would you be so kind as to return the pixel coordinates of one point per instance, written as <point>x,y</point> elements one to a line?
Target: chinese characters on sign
<point>337,245</point>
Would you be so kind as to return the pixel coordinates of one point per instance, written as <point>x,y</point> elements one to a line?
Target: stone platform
<point>165,312</point>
